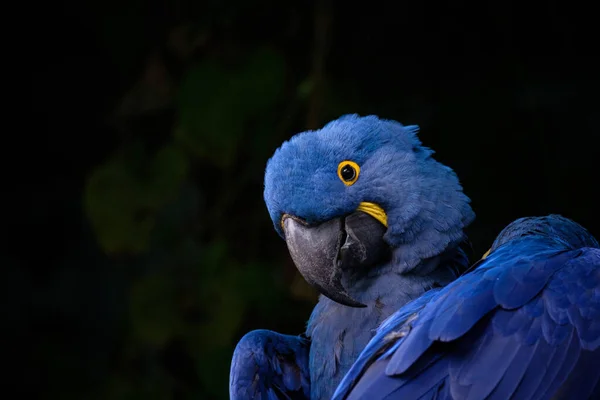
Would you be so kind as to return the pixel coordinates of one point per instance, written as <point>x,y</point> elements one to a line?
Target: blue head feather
<point>426,208</point>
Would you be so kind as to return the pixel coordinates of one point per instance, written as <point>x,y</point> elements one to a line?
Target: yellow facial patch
<point>348,172</point>
<point>487,253</point>
<point>374,211</point>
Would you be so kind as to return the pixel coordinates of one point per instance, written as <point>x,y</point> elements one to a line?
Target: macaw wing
<point>526,326</point>
<point>268,366</point>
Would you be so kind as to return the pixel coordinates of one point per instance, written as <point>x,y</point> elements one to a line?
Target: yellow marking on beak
<point>374,211</point>
<point>487,253</point>
<point>285,216</point>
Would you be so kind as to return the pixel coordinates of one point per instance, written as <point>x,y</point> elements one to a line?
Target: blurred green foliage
<point>124,194</point>
<point>214,104</point>
<point>174,211</point>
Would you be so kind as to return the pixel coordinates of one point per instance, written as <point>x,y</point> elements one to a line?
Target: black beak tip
<point>335,291</point>
<point>348,302</point>
<point>343,299</point>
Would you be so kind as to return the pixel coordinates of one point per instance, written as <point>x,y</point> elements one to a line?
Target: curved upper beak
<point>322,252</point>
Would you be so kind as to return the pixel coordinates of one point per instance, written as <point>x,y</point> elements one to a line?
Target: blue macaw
<point>523,324</point>
<point>372,221</point>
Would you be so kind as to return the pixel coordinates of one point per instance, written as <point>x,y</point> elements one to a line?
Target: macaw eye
<point>348,172</point>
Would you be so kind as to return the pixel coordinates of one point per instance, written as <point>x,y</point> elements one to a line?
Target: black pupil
<point>348,173</point>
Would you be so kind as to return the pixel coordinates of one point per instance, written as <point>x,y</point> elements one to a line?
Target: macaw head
<point>358,192</point>
<point>563,231</point>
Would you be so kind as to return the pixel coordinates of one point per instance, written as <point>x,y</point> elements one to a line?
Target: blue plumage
<point>523,324</point>
<point>280,360</point>
<point>426,213</point>
<point>426,207</point>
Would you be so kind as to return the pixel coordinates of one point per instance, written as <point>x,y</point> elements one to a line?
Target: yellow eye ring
<point>348,172</point>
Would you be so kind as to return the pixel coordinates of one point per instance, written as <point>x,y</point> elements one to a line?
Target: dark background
<point>138,249</point>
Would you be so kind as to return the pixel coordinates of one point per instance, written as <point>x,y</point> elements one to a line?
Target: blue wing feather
<point>524,323</point>
<point>269,366</point>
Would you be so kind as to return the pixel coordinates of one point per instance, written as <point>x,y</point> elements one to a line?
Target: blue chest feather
<point>338,333</point>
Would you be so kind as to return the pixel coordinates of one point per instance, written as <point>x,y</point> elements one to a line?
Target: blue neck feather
<point>338,333</point>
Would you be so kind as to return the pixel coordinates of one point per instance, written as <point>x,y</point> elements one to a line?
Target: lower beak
<point>322,252</point>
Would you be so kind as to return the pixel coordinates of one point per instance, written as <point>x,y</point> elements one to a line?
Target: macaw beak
<point>322,252</point>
